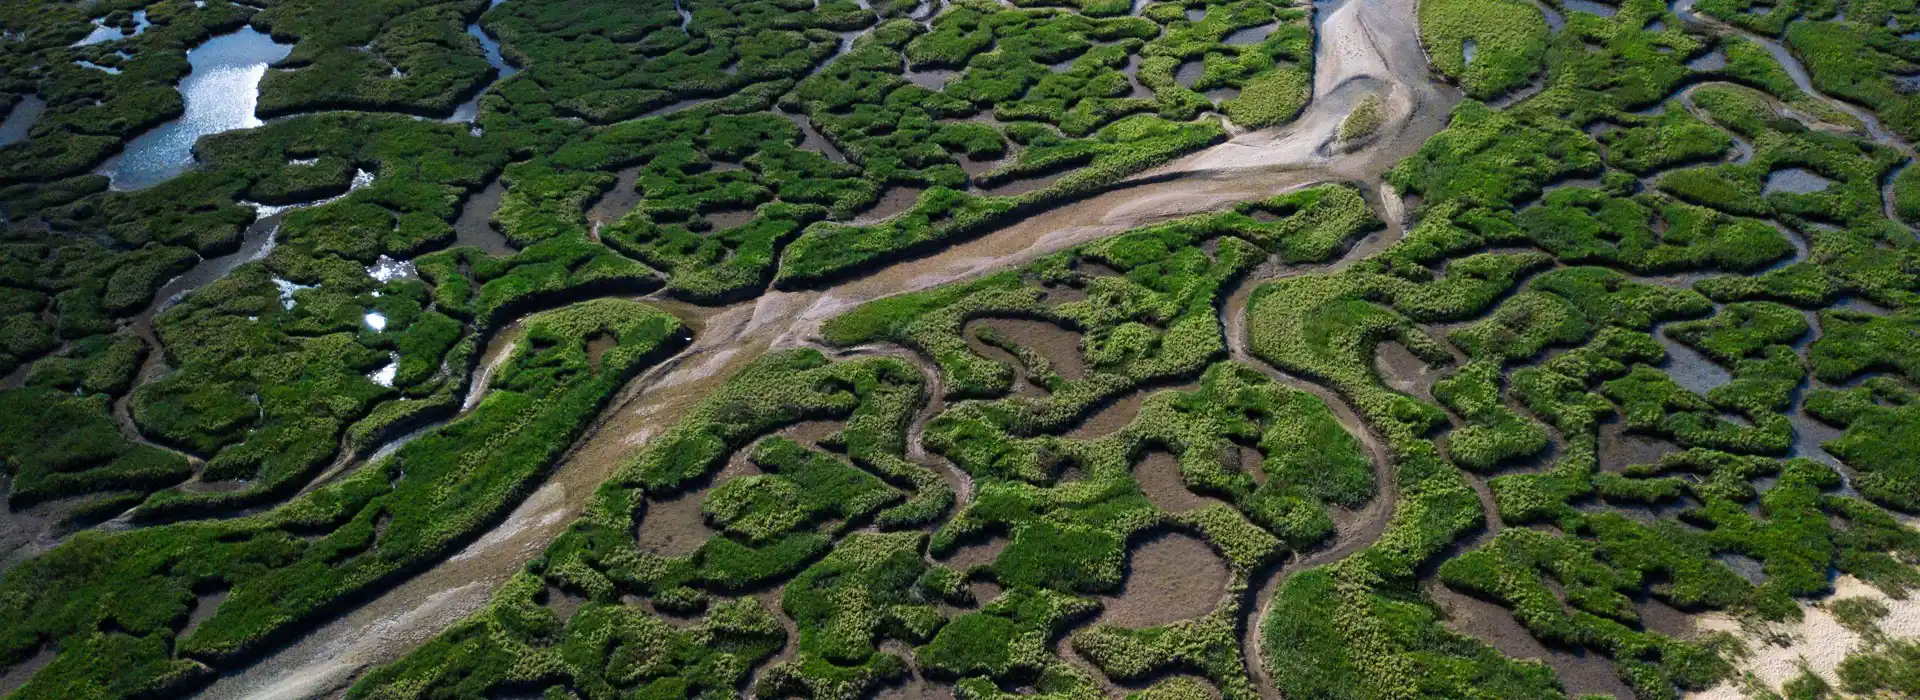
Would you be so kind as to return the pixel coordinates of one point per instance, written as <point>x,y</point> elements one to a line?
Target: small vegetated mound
<point>1490,46</point>
<point>1366,118</point>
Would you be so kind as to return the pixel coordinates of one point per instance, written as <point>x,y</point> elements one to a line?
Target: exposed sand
<point>1817,643</point>
<point>1364,47</point>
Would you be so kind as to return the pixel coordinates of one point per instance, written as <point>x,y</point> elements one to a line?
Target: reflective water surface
<point>220,93</point>
<point>21,119</point>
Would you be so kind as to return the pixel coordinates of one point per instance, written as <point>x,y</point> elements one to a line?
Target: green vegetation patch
<point>1491,47</point>
<point>285,567</point>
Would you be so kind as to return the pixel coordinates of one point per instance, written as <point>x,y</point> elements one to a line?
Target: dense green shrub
<point>101,364</point>
<point>1648,235</point>
<point>271,373</point>
<point>1852,342</point>
<point>378,56</point>
<point>863,591</point>
<point>1493,157</point>
<point>84,454</point>
<point>1209,644</point>
<point>506,646</point>
<point>373,526</point>
<point>1888,669</point>
<point>1513,570</point>
<point>827,250</point>
<point>1880,419</point>
<point>1490,46</point>
<point>1675,137</point>
<point>1007,639</point>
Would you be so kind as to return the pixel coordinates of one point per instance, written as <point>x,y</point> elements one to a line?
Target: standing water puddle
<point>109,70</point>
<point>220,93</point>
<point>1709,61</point>
<point>1795,181</point>
<point>1590,7</point>
<point>1692,370</point>
<point>1250,35</point>
<point>21,119</point>
<point>103,32</point>
<point>1189,73</point>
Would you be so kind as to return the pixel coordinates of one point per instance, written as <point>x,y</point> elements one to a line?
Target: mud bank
<point>1170,577</point>
<point>1367,46</point>
<point>1581,672</point>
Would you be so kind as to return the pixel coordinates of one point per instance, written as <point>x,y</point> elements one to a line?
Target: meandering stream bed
<point>1365,47</point>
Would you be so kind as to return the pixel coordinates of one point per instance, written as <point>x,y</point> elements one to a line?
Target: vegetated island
<point>847,349</point>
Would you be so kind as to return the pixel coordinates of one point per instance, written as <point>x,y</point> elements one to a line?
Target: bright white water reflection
<point>220,93</point>
<point>386,269</point>
<point>286,292</point>
<point>384,376</point>
<point>361,178</point>
<point>104,33</point>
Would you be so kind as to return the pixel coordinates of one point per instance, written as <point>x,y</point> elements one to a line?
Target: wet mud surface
<point>974,553</point>
<point>674,527</point>
<point>1403,372</point>
<point>1120,412</point>
<point>1169,577</point>
<point>475,228</point>
<point>1367,47</point>
<point>893,202</point>
<point>1159,477</point>
<point>1059,345</point>
<point>1581,672</point>
<point>1621,448</point>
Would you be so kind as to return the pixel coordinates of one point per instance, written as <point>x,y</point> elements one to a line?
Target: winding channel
<point>1362,47</point>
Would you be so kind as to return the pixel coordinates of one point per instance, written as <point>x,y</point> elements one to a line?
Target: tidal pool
<point>1189,73</point>
<point>20,120</point>
<point>1796,181</point>
<point>102,32</point>
<point>1251,35</point>
<point>220,92</point>
<point>1591,7</point>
